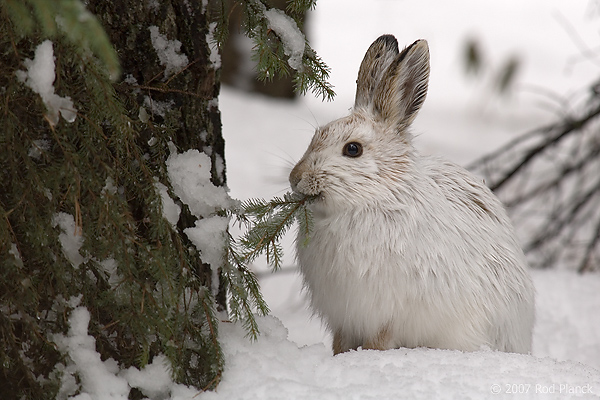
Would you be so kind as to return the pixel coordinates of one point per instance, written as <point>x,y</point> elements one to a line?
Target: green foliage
<point>270,49</point>
<point>301,6</point>
<point>266,222</point>
<point>143,285</point>
<point>67,17</point>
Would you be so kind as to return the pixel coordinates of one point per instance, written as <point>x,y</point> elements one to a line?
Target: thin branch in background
<point>586,264</point>
<point>586,53</point>
<point>554,103</point>
<point>548,179</point>
<point>291,269</point>
<point>548,139</point>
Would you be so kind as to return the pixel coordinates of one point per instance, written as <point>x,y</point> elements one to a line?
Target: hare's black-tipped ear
<point>402,90</point>
<point>378,58</point>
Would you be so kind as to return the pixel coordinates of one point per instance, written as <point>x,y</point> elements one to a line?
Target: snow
<point>168,52</point>
<point>275,368</point>
<point>461,120</point>
<point>189,173</point>
<point>70,238</point>
<point>97,376</point>
<point>14,251</point>
<point>292,38</point>
<point>153,5</point>
<point>567,321</point>
<point>566,357</point>
<point>106,380</point>
<point>110,268</point>
<point>153,379</point>
<point>156,107</point>
<point>40,76</point>
<point>38,147</point>
<point>208,235</point>
<point>171,210</point>
<point>109,186</point>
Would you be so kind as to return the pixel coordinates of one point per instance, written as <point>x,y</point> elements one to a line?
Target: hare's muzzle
<point>295,177</point>
<point>304,180</point>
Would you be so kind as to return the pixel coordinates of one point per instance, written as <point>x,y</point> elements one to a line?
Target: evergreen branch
<point>152,296</point>
<point>266,221</point>
<point>240,307</point>
<point>301,6</point>
<point>271,221</point>
<point>168,90</point>
<point>20,15</point>
<point>270,55</point>
<point>221,16</point>
<point>71,18</point>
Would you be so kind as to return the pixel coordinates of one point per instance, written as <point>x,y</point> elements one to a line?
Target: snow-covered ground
<point>461,120</point>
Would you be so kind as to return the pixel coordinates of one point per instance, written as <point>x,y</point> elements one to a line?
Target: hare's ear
<point>378,58</point>
<point>402,90</point>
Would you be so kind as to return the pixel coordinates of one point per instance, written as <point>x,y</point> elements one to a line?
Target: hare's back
<point>466,192</point>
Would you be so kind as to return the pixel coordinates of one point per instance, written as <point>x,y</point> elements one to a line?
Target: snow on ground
<point>565,361</point>
<point>275,368</point>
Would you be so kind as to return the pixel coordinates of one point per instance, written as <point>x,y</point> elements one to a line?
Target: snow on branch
<point>190,177</point>
<point>280,47</point>
<point>87,376</point>
<point>40,78</point>
<point>292,38</point>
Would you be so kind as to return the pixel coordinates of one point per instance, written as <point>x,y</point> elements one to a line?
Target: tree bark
<point>193,90</point>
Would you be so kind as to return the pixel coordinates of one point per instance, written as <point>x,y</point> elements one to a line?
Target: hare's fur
<point>406,250</point>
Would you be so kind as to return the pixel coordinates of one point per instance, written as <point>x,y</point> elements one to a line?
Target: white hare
<point>406,250</point>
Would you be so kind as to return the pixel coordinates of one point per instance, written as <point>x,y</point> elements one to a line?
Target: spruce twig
<point>269,49</point>
<point>266,223</point>
<point>270,221</point>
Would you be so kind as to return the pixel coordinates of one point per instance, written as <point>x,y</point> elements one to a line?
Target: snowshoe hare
<point>406,250</point>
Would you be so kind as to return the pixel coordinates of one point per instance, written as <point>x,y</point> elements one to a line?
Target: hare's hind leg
<point>342,343</point>
<point>381,341</point>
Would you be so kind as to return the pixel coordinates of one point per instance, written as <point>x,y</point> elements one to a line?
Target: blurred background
<point>499,69</point>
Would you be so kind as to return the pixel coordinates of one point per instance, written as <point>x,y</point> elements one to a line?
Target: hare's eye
<point>353,149</point>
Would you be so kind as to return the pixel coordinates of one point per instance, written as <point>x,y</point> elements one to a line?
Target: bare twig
<point>561,130</point>
<point>548,178</point>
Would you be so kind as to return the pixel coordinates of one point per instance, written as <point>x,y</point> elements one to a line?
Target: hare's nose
<point>296,176</point>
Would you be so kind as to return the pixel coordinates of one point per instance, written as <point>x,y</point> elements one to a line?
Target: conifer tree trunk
<point>82,214</point>
<point>192,90</point>
<point>193,87</point>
